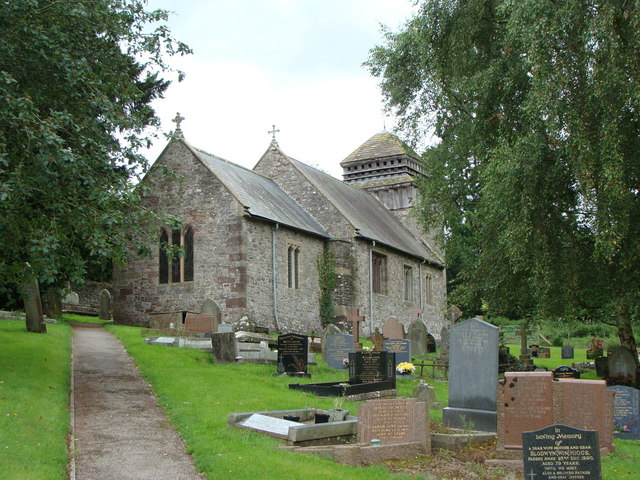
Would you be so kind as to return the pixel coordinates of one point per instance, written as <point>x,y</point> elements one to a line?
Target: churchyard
<point>199,394</point>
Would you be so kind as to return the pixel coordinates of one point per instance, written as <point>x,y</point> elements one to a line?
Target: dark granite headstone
<point>399,346</point>
<point>223,346</point>
<point>533,349</point>
<point>292,353</point>
<point>337,350</point>
<point>567,353</point>
<point>561,452</point>
<point>473,375</point>
<point>418,335</point>
<point>621,367</point>
<point>368,367</point>
<point>565,371</point>
<point>626,412</point>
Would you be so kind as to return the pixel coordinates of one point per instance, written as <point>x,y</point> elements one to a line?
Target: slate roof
<point>367,214</point>
<point>382,144</point>
<point>260,196</point>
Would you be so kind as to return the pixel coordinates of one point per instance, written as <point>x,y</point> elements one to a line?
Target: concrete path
<point>119,431</point>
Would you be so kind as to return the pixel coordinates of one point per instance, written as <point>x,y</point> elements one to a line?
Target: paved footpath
<point>119,431</point>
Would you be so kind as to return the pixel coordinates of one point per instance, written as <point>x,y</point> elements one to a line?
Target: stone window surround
<point>408,283</point>
<point>293,267</point>
<point>379,273</point>
<point>184,263</point>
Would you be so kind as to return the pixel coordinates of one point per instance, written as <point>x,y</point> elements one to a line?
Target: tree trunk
<point>32,303</point>
<point>625,332</point>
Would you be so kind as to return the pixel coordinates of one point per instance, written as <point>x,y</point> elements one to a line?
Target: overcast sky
<point>293,63</point>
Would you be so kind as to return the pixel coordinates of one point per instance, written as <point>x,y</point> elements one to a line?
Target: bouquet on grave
<point>405,368</point>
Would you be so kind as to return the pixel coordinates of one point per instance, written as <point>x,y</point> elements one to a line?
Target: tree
<point>76,81</point>
<point>536,175</point>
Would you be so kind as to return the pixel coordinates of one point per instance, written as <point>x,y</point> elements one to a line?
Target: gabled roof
<point>259,196</point>
<point>367,214</point>
<point>382,144</point>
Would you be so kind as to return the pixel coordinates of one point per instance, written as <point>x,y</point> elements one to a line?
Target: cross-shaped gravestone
<point>273,132</point>
<point>356,319</point>
<point>377,338</point>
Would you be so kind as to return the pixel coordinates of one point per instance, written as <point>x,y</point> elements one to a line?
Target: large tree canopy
<point>536,175</point>
<point>76,81</point>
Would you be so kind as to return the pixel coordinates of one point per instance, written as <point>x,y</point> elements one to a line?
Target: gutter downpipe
<point>274,275</point>
<point>373,244</point>
<point>421,291</point>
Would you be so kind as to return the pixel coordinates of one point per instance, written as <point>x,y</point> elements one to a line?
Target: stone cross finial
<point>178,120</point>
<point>273,132</point>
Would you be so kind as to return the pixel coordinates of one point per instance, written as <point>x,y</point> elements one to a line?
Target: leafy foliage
<point>327,279</point>
<point>536,175</point>
<point>76,81</point>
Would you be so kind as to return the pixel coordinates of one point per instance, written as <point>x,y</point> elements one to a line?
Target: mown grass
<point>74,317</point>
<point>34,400</point>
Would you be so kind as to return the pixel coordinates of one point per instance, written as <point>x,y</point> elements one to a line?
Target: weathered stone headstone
<point>292,353</point>
<point>431,344</point>
<point>224,347</point>
<point>393,328</point>
<point>567,353</point>
<point>32,303</point>
<point>164,321</point>
<point>399,346</point>
<point>473,374</point>
<point>368,367</point>
<point>544,352</point>
<point>418,335</point>
<point>104,312</point>
<point>330,329</point>
<point>199,323</point>
<point>525,402</point>
<point>72,298</point>
<point>400,420</point>
<point>444,343</point>
<point>562,452</point>
<point>626,412</point>
<point>211,307</point>
<point>452,314</point>
<point>356,319</point>
<point>378,339</point>
<point>225,328</point>
<point>621,367</point>
<point>565,371</point>
<point>425,393</point>
<point>337,349</point>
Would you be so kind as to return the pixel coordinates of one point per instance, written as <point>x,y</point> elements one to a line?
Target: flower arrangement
<point>596,349</point>
<point>345,362</point>
<point>405,368</point>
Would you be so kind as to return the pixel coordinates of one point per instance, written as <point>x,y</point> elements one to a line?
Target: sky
<point>295,64</point>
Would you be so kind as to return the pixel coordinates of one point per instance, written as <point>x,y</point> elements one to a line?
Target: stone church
<point>252,241</point>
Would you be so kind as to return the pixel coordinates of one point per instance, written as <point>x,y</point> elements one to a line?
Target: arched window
<point>164,258</point>
<point>188,254</point>
<point>175,260</point>
<point>293,260</point>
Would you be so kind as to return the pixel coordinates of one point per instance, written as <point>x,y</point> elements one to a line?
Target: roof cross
<point>273,132</point>
<point>178,120</point>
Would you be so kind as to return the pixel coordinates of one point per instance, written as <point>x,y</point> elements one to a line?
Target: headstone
<point>425,393</point>
<point>224,347</point>
<point>32,303</point>
<point>525,402</point>
<point>225,328</point>
<point>567,353</point>
<point>444,342</point>
<point>626,412</point>
<point>337,349</point>
<point>418,335</point>
<point>105,305</point>
<point>533,350</point>
<point>562,452</point>
<point>356,319</point>
<point>399,346</point>
<point>72,298</point>
<point>431,344</point>
<point>393,328</point>
<point>199,323</point>
<point>163,321</point>
<point>621,367</point>
<point>473,374</point>
<point>330,329</point>
<point>544,352</point>
<point>292,353</point>
<point>565,371</point>
<point>378,340</point>
<point>399,420</point>
<point>368,367</point>
<point>211,307</point>
<point>453,313</point>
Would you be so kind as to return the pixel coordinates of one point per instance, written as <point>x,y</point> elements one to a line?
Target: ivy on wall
<point>327,280</point>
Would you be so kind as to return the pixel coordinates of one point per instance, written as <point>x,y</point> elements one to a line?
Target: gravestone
<point>261,329</point>
<point>104,312</point>
<point>292,353</point>
<point>393,328</point>
<point>72,298</point>
<point>337,349</point>
<point>452,314</point>
<point>567,353</point>
<point>356,319</point>
<point>209,306</point>
<point>199,323</point>
<point>330,329</point>
<point>431,344</point>
<point>369,367</point>
<point>621,367</point>
<point>565,371</point>
<point>544,352</point>
<point>473,374</point>
<point>444,343</point>
<point>626,412</point>
<point>164,321</point>
<point>398,420</point>
<point>562,452</point>
<point>418,335</point>
<point>399,346</point>
<point>378,340</point>
<point>225,328</point>
<point>224,347</point>
<point>425,393</point>
<point>533,350</point>
<point>32,302</point>
<point>525,402</point>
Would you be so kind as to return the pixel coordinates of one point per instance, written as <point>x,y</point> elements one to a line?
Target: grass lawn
<point>34,400</point>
